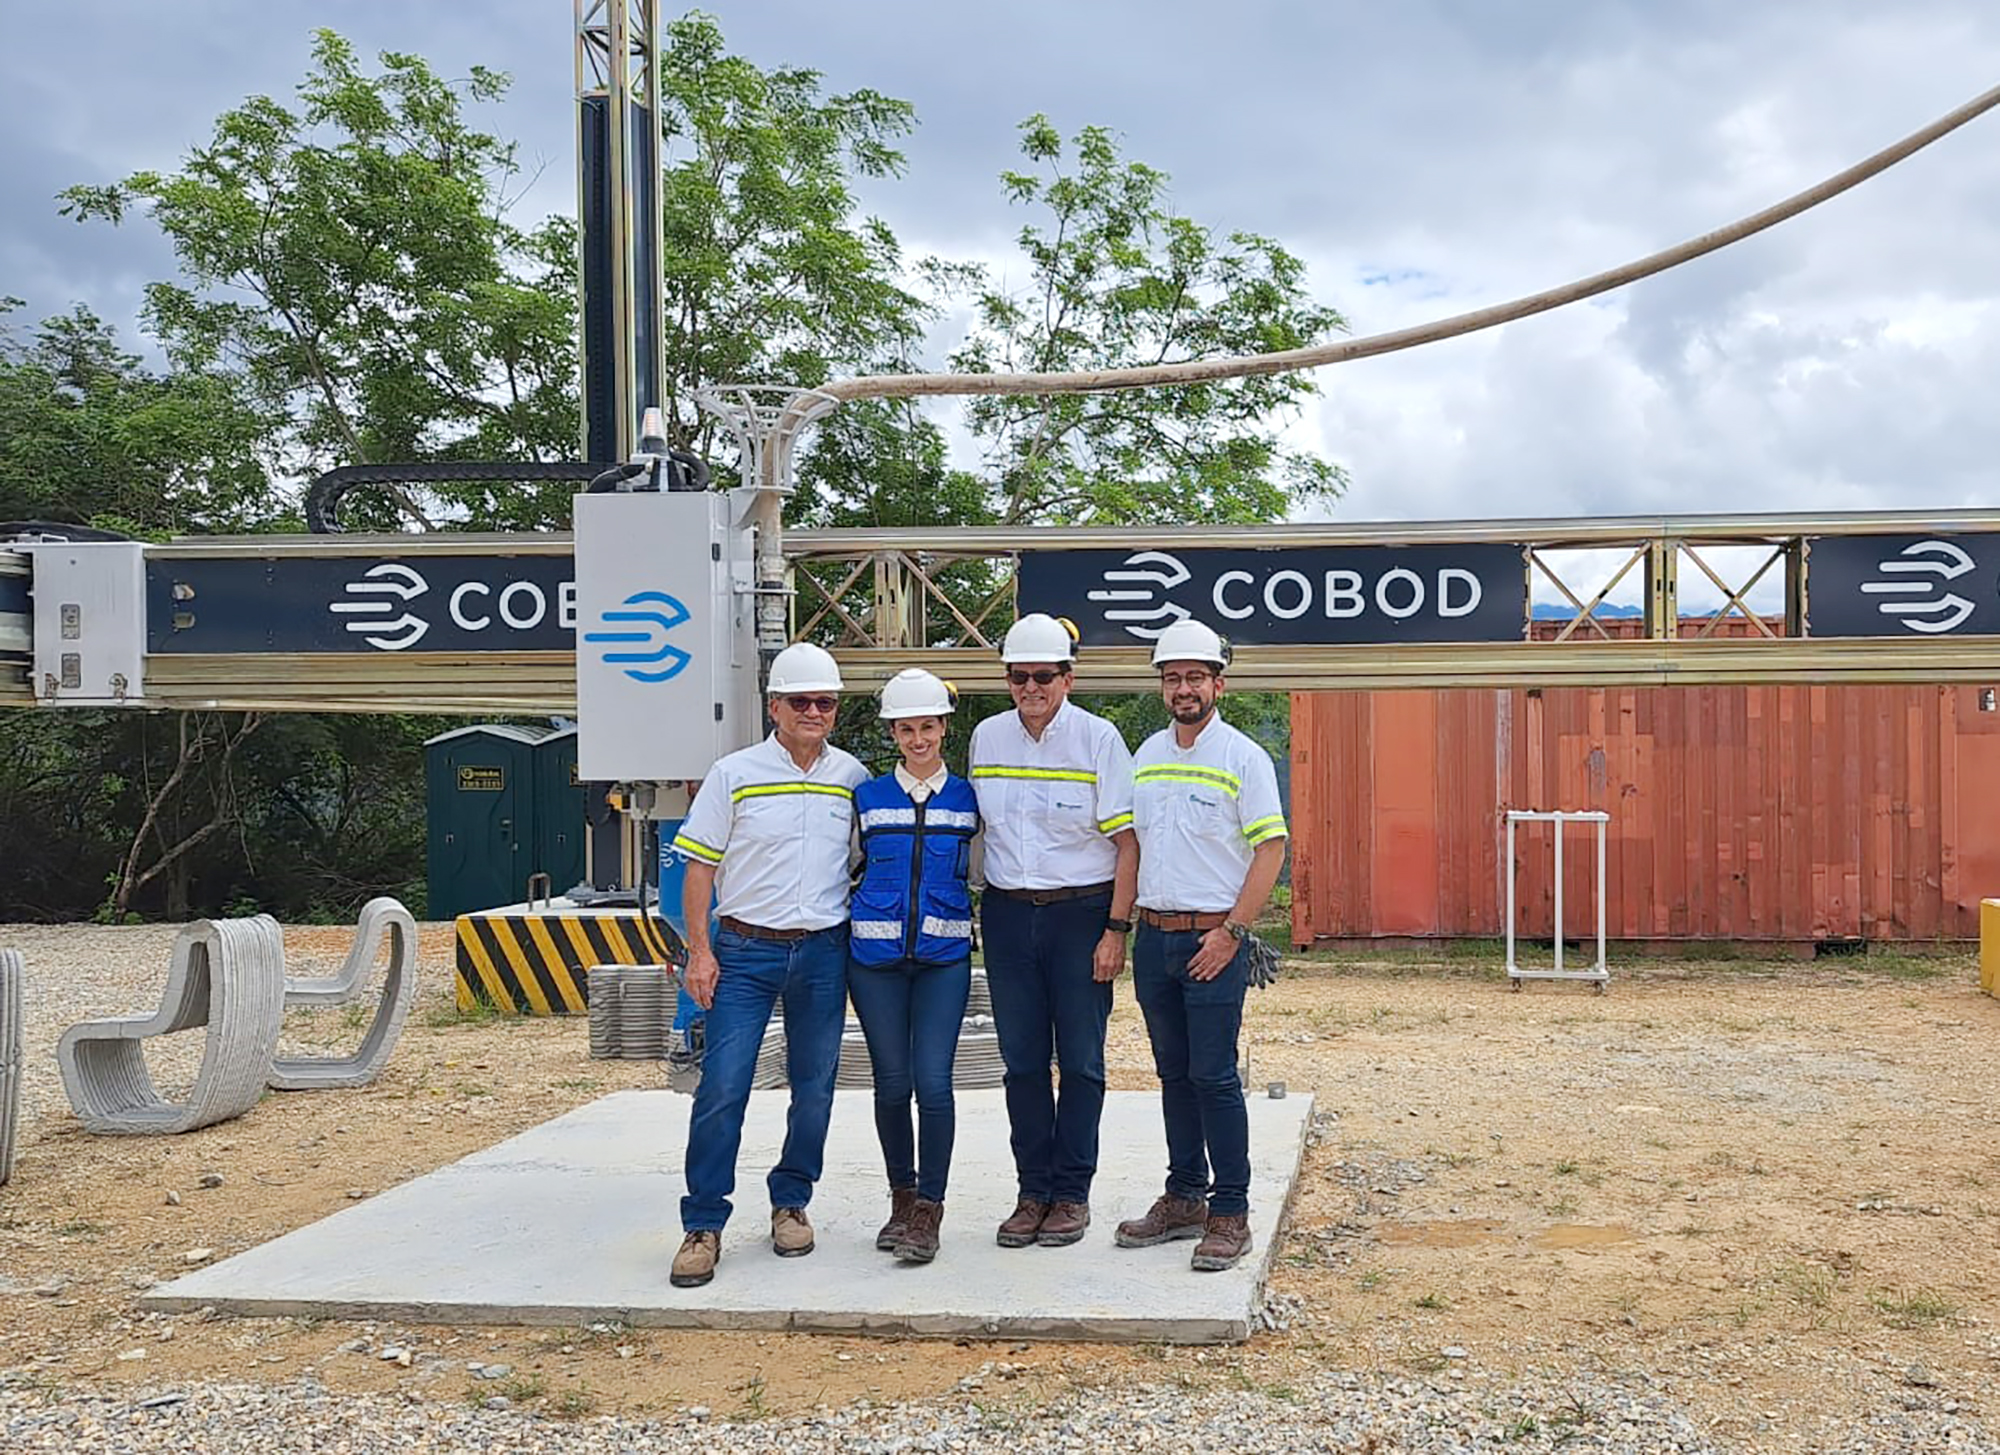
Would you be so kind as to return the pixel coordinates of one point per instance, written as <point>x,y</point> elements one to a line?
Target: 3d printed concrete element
<point>12,1012</point>
<point>632,1019</point>
<point>227,975</point>
<point>380,918</point>
<point>631,1011</point>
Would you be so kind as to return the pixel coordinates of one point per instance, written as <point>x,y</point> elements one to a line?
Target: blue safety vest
<point>912,902</point>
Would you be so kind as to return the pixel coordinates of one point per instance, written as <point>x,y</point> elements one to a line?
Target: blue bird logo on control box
<point>656,614</point>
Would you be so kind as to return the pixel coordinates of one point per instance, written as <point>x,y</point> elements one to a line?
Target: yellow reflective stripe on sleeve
<point>1116,822</point>
<point>765,790</point>
<point>1060,775</point>
<point>1270,827</point>
<point>698,849</point>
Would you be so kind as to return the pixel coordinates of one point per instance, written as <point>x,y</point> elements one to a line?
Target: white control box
<point>666,653</point>
<point>90,622</point>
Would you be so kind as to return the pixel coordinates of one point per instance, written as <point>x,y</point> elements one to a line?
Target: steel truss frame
<point>885,599</point>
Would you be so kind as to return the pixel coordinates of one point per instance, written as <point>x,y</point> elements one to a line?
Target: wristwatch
<point>1238,931</point>
<point>1119,926</point>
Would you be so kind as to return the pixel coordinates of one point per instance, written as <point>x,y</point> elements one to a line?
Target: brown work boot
<point>695,1264</point>
<point>1223,1245</point>
<point>920,1238</point>
<point>791,1233</point>
<point>1168,1219</point>
<point>1022,1224</point>
<point>900,1201</point>
<point>1065,1224</point>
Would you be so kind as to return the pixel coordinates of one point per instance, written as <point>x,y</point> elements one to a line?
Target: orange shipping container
<point>1797,814</point>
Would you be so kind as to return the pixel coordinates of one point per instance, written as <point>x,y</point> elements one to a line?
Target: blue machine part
<point>673,872</point>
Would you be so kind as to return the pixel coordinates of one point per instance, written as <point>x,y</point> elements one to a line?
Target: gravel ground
<point>1335,1413</point>
<point>1771,1357</point>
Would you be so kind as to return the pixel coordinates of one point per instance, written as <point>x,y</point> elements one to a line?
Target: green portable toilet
<point>480,787</point>
<point>559,816</point>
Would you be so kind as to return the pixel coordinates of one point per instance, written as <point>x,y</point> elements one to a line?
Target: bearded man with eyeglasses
<point>1055,794</point>
<point>769,834</point>
<point>1212,841</point>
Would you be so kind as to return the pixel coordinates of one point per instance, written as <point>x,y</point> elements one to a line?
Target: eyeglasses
<point>1041,679</point>
<point>802,705</point>
<point>1186,679</point>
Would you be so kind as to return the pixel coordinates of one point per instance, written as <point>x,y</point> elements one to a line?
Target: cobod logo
<point>1136,594</point>
<point>377,608</point>
<point>1919,600</point>
<point>655,614</point>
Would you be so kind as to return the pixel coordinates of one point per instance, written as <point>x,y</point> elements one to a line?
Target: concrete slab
<point>575,1221</point>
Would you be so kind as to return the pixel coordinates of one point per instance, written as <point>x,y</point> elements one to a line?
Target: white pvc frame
<point>1598,974</point>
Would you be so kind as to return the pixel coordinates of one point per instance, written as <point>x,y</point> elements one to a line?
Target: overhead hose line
<point>903,386</point>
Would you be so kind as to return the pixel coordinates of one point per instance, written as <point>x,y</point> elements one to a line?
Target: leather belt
<point>1179,919</point>
<point>1051,896</point>
<point>760,932</point>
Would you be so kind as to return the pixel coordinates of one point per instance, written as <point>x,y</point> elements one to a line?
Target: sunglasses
<point>802,705</point>
<point>1041,679</point>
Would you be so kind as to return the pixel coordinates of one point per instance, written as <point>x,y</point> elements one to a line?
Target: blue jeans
<point>1193,1026</point>
<point>1045,1001</point>
<point>810,977</point>
<point>911,1014</point>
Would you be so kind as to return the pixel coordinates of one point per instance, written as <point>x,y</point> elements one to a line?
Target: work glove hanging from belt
<point>1261,965</point>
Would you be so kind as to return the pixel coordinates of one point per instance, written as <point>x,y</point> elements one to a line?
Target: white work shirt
<point>921,788</point>
<point>1051,805</point>
<point>1199,813</point>
<point>778,834</point>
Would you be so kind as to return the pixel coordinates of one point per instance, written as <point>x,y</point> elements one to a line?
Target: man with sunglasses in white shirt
<point>769,834</point>
<point>1212,837</point>
<point>1055,794</point>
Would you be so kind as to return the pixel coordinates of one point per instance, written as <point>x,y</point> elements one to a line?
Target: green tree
<point>770,274</point>
<point>350,259</point>
<point>89,437</point>
<point>1118,280</point>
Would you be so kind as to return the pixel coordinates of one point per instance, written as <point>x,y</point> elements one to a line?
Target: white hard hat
<point>803,667</point>
<point>1190,641</point>
<point>913,692</point>
<point>1038,637</point>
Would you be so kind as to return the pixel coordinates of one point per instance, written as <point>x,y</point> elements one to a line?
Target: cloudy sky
<point>1423,157</point>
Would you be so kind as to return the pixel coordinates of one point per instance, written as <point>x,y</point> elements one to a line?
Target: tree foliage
<point>350,260</point>
<point>89,437</point>
<point>1116,279</point>
<point>770,275</point>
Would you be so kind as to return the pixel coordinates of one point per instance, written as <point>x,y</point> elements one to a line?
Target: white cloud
<point>1425,158</point>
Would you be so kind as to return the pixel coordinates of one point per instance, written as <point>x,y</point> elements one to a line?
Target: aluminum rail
<point>539,682</point>
<point>528,682</point>
<point>1694,530</point>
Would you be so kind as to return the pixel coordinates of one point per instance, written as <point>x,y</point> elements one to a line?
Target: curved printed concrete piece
<point>380,918</point>
<point>13,977</point>
<point>227,975</point>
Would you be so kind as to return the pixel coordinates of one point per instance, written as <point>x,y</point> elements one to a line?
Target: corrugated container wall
<point>1737,813</point>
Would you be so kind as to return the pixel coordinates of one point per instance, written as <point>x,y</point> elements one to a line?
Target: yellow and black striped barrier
<point>537,962</point>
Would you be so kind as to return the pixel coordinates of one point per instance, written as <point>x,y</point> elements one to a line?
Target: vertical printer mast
<point>618,212</point>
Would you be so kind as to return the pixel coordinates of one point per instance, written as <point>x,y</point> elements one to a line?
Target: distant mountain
<point>1563,611</point>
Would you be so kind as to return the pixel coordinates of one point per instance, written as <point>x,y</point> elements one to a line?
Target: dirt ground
<point>1772,1186</point>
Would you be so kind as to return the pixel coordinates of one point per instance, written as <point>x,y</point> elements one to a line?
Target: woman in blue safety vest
<point>910,952</point>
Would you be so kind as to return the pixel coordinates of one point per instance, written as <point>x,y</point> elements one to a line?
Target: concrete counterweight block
<point>382,918</point>
<point>12,1013</point>
<point>227,975</point>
